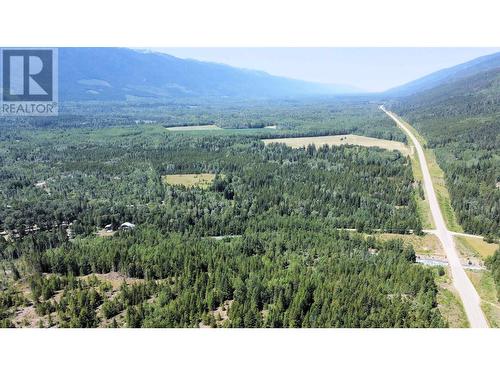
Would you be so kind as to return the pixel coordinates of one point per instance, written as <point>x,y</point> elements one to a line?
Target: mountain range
<point>468,89</point>
<point>453,75</point>
<point>118,74</point>
<point>126,74</point>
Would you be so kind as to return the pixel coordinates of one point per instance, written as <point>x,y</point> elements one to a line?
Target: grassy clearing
<point>477,246</point>
<point>485,286</point>
<point>427,244</point>
<point>439,183</point>
<point>467,253</point>
<point>449,303</point>
<point>193,128</point>
<point>423,207</point>
<point>492,314</point>
<point>201,180</point>
<point>105,233</point>
<point>336,140</point>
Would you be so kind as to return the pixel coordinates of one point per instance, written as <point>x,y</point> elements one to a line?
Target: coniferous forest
<point>279,237</point>
<point>461,123</point>
<point>94,233</point>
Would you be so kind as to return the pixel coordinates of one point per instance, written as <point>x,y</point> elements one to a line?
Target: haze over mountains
<point>481,65</point>
<point>123,74</point>
<point>468,89</point>
<point>118,74</point>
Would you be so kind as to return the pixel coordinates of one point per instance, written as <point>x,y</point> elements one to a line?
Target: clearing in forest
<point>427,245</point>
<point>471,246</point>
<point>201,180</point>
<point>336,140</point>
<point>193,127</point>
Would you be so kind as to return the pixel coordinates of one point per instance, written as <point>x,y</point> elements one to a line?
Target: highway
<point>470,298</point>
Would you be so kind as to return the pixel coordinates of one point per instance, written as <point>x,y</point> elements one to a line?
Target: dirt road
<point>468,294</point>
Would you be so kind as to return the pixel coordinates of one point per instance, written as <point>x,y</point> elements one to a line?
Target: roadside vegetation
<point>439,183</point>
<point>485,285</point>
<point>448,300</point>
<point>461,123</point>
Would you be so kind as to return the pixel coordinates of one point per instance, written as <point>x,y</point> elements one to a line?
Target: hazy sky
<point>371,69</point>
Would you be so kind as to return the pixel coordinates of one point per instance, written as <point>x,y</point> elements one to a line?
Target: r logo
<point>28,75</point>
<point>29,82</point>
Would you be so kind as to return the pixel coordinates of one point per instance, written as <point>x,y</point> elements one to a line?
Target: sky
<point>369,69</point>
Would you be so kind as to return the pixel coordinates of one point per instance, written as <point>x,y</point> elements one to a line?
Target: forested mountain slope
<point>104,74</point>
<point>446,76</point>
<point>461,122</point>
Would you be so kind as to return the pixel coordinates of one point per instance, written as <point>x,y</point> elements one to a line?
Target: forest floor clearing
<point>337,140</point>
<point>27,316</point>
<point>105,233</point>
<point>426,245</point>
<point>218,316</point>
<point>202,180</point>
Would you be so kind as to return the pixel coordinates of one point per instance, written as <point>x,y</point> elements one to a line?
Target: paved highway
<point>467,292</point>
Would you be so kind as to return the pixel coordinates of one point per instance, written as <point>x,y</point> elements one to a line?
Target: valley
<point>183,204</point>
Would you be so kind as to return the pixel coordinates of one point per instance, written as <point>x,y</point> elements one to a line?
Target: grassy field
<point>476,246</point>
<point>439,183</point>
<point>485,286</point>
<point>201,180</point>
<point>193,128</point>
<point>423,207</point>
<point>427,244</point>
<point>449,303</point>
<point>336,140</point>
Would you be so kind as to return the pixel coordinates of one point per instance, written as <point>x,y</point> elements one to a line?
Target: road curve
<point>469,296</point>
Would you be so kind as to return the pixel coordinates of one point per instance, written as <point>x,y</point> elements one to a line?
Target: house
<point>127,226</point>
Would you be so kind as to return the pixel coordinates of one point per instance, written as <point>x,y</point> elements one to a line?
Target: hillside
<point>461,121</point>
<point>447,76</point>
<point>478,94</point>
<point>123,74</point>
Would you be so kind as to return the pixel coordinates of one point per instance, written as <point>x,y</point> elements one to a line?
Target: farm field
<point>193,128</point>
<point>336,140</point>
<point>202,180</point>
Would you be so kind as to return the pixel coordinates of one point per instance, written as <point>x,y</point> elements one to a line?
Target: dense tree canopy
<point>280,258</point>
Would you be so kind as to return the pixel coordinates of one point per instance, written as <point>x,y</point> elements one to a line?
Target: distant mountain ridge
<point>447,76</point>
<point>472,95</point>
<point>124,74</point>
